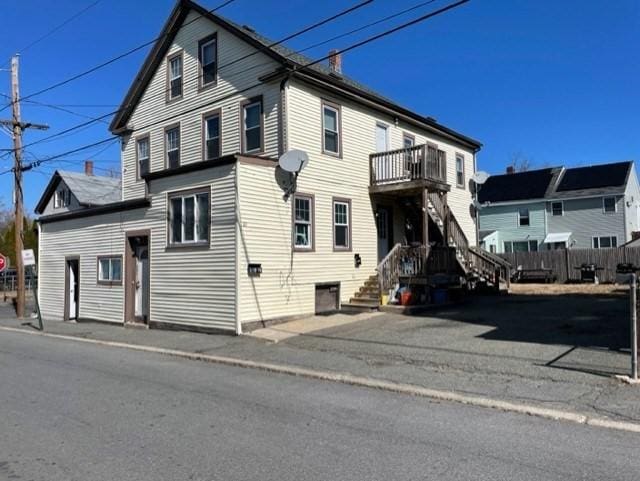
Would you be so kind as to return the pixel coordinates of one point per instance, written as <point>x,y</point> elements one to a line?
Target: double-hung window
<point>143,156</point>
<point>303,222</point>
<point>175,76</point>
<point>460,170</point>
<point>408,141</point>
<point>109,270</point>
<point>252,126</point>
<point>523,217</point>
<point>341,224</point>
<point>609,205</point>
<point>189,217</point>
<point>557,209</point>
<point>212,144</point>
<point>331,129</point>
<point>603,242</point>
<point>208,57</point>
<point>521,246</point>
<point>172,146</point>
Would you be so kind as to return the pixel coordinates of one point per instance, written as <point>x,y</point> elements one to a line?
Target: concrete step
<point>359,306</point>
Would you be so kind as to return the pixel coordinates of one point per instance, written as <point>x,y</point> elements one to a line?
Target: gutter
<point>91,211</point>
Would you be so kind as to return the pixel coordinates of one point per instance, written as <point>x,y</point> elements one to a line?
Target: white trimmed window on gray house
<point>61,198</point>
<point>609,205</point>
<point>142,153</point>
<point>604,242</point>
<point>557,208</point>
<point>175,76</point>
<point>523,217</point>
<point>521,246</point>
<point>252,126</point>
<point>212,136</point>
<point>189,217</point>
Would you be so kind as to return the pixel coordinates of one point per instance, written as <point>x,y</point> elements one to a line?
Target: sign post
<point>29,262</point>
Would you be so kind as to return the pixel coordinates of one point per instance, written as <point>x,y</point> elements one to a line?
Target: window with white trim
<point>604,242</point>
<point>460,170</point>
<point>609,205</point>
<point>175,76</point>
<point>110,269</point>
<point>142,152</point>
<point>302,222</point>
<point>341,224</point>
<point>61,198</point>
<point>331,129</point>
<point>172,145</point>
<point>189,221</point>
<point>208,57</point>
<point>212,136</point>
<point>523,217</point>
<point>521,246</point>
<point>557,209</point>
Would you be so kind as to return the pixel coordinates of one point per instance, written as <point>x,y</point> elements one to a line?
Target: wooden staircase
<point>367,297</point>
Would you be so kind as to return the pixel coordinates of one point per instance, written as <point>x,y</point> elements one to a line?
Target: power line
<point>296,69</point>
<point>262,49</point>
<point>116,58</point>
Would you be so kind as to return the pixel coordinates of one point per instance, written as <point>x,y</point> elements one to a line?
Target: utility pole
<point>18,127</point>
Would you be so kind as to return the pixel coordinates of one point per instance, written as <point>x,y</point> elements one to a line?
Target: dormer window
<point>208,58</point>
<point>61,198</point>
<point>174,90</point>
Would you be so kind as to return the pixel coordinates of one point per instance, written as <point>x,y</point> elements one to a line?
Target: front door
<point>137,281</point>
<point>383,225</point>
<point>72,289</point>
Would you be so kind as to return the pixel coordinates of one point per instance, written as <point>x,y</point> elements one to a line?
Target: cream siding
<point>286,285</point>
<point>227,94</point>
<point>189,286</point>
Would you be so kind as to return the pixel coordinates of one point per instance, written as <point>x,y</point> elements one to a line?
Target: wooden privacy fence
<point>564,262</point>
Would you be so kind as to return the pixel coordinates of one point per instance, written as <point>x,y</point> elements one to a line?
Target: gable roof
<point>532,184</point>
<point>89,190</point>
<point>594,180</point>
<point>288,58</point>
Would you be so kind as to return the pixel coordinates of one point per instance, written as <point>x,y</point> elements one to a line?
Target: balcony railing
<point>422,162</point>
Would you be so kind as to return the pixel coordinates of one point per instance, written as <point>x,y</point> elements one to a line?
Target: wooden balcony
<point>408,169</point>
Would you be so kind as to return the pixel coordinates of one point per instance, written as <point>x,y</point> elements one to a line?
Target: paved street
<point>82,412</point>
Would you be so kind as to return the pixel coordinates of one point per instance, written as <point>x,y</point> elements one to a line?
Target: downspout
<point>237,250</point>
<point>283,141</point>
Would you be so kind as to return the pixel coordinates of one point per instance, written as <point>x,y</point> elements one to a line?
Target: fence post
<point>633,294</point>
<point>566,263</point>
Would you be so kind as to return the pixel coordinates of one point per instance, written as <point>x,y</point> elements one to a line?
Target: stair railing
<point>401,261</point>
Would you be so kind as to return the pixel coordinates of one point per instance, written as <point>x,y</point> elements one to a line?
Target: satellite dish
<point>480,177</point>
<point>293,161</point>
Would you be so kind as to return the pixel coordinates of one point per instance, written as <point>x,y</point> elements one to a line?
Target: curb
<point>401,388</point>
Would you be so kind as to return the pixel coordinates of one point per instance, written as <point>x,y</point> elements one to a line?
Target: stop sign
<point>3,263</point>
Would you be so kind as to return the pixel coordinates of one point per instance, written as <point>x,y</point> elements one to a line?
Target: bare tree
<point>520,162</point>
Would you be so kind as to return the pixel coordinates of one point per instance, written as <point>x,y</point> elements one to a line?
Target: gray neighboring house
<point>583,207</point>
<point>77,190</point>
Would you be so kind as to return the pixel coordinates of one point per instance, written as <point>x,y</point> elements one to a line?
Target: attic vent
<point>248,28</point>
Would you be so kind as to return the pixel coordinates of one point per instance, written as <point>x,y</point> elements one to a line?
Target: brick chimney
<point>510,169</point>
<point>335,61</point>
<point>88,167</point>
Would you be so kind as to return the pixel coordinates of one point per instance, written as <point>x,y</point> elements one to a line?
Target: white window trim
<point>167,149</point>
<point>462,159</point>
<point>528,241</point>
<point>520,217</point>
<point>207,137</point>
<point>615,204</point>
<point>599,237</point>
<point>196,217</point>
<point>561,208</point>
<point>325,129</point>
<point>347,224</point>
<point>61,198</point>
<point>247,129</point>
<point>176,57</point>
<point>111,259</point>
<point>139,142</point>
<point>310,222</point>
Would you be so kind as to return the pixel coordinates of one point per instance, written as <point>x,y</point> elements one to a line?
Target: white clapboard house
<point>202,234</point>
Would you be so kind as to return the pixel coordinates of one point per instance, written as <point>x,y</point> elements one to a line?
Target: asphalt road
<point>70,411</point>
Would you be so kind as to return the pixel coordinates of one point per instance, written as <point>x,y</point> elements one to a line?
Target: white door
<point>72,293</point>
<point>382,141</point>
<point>142,260</point>
<point>382,170</point>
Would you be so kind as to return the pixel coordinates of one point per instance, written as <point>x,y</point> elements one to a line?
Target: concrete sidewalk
<point>562,360</point>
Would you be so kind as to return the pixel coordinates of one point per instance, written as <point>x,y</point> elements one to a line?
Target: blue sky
<point>554,81</point>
